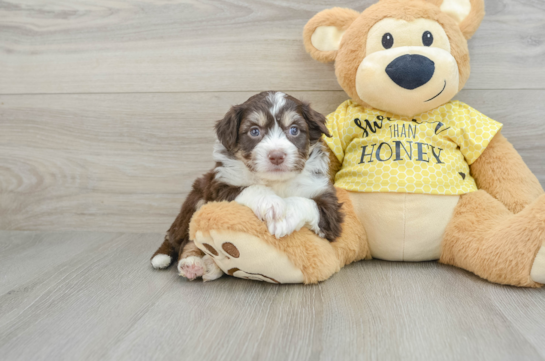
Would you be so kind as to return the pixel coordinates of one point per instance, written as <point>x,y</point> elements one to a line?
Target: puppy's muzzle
<point>277,157</point>
<point>411,71</point>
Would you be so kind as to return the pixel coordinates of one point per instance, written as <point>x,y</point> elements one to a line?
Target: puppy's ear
<point>227,128</point>
<point>316,123</point>
<point>468,14</point>
<point>322,34</point>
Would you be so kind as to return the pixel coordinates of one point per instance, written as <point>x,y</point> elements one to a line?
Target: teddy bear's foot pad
<point>244,256</point>
<point>538,269</point>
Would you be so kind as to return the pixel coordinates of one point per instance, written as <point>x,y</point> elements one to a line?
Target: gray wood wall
<point>107,107</point>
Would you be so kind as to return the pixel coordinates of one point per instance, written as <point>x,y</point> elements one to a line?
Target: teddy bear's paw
<point>244,256</point>
<point>191,267</point>
<point>538,269</point>
<point>212,271</point>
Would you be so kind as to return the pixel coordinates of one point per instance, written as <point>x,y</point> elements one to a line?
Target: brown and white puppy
<point>269,157</point>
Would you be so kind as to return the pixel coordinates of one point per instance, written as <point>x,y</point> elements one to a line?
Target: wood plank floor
<point>94,296</point>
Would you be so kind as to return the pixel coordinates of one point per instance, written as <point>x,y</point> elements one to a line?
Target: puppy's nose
<point>411,71</point>
<point>277,157</point>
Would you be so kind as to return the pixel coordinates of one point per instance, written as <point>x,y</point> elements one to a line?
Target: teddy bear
<point>420,177</point>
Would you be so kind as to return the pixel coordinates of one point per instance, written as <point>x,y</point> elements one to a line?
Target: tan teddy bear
<point>421,177</point>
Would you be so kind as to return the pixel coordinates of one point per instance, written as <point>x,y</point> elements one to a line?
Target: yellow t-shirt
<point>429,153</point>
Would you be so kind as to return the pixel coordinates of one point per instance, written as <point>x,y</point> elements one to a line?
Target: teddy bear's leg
<point>484,237</point>
<point>241,245</point>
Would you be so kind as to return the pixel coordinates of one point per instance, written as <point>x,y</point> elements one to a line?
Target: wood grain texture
<point>24,255</point>
<point>187,45</point>
<point>107,303</point>
<point>125,162</point>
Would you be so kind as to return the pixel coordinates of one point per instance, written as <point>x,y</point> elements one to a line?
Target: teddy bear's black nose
<point>411,71</point>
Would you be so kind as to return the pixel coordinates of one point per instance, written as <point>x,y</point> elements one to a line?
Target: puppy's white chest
<point>285,189</point>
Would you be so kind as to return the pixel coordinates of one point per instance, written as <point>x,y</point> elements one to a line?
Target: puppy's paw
<point>191,267</point>
<point>282,228</point>
<point>278,228</point>
<point>285,226</point>
<point>270,208</point>
<point>314,227</point>
<point>161,261</point>
<point>212,271</point>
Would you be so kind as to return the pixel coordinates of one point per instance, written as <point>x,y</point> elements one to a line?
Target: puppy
<point>270,157</point>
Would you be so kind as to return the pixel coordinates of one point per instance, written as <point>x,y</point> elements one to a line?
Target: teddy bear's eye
<point>427,38</point>
<point>387,41</point>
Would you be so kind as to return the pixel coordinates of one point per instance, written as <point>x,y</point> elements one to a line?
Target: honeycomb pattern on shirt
<point>429,153</point>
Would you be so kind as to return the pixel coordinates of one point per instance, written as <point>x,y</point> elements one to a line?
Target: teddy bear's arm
<point>501,172</point>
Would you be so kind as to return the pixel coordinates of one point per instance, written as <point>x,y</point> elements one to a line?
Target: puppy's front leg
<point>299,212</point>
<point>266,205</point>
<point>330,218</point>
<point>321,215</point>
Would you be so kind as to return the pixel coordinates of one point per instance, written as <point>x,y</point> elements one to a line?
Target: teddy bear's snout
<point>411,71</point>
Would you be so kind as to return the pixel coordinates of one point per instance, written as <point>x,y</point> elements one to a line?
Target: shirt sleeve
<point>335,122</point>
<point>474,131</point>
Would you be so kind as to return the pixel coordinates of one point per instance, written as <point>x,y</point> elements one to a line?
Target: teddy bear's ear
<point>322,34</point>
<point>468,14</point>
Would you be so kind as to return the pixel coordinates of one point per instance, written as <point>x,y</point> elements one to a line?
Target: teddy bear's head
<point>400,56</point>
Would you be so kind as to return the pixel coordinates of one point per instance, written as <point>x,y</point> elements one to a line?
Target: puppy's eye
<point>254,132</point>
<point>387,41</point>
<point>294,131</point>
<point>427,38</point>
